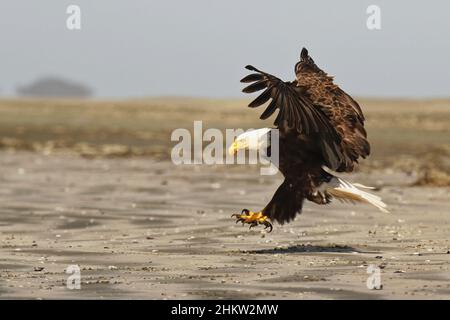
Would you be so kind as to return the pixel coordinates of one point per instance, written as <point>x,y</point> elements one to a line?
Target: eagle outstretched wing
<point>346,116</point>
<point>296,112</point>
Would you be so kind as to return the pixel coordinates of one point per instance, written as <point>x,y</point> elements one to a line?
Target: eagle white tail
<point>345,191</point>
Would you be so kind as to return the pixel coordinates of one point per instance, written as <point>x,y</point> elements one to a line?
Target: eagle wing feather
<point>296,111</point>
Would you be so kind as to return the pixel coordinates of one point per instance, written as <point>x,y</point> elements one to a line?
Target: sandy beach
<point>141,228</point>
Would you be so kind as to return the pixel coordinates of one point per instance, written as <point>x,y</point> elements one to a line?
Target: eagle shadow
<point>301,248</point>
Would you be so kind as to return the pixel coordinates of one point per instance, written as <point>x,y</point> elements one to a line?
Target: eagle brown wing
<point>346,116</point>
<point>296,112</point>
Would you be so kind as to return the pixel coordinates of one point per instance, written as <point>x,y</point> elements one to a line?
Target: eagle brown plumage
<point>320,126</point>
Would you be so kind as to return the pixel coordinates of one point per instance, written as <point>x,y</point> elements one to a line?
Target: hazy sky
<point>139,48</point>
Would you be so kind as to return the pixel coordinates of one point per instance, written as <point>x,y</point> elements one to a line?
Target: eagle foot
<point>253,219</point>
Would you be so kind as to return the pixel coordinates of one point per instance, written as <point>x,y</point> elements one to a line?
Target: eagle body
<point>321,130</point>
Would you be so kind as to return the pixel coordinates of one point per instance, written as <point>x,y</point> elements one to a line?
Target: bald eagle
<point>321,131</point>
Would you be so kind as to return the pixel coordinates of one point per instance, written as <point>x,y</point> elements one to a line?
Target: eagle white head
<point>250,140</point>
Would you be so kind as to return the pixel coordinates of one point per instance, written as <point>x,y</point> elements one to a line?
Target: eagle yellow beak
<point>236,146</point>
<point>233,148</point>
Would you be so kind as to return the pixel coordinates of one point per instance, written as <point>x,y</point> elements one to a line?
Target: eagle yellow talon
<point>253,218</point>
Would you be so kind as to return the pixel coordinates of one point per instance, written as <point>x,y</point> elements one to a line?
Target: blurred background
<point>86,118</point>
<point>198,48</point>
<point>137,70</point>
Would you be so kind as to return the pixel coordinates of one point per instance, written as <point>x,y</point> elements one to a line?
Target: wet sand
<point>139,228</point>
